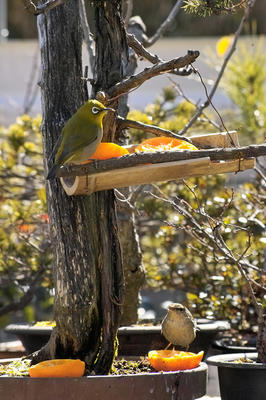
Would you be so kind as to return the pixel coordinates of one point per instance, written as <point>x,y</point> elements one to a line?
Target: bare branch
<point>162,156</point>
<point>26,298</point>
<point>87,33</point>
<point>129,9</point>
<point>136,80</point>
<point>140,50</point>
<point>181,93</point>
<point>127,123</point>
<point>165,25</point>
<point>36,10</point>
<point>219,77</point>
<point>260,173</point>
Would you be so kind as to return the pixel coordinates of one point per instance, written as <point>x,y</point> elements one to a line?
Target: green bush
<point>25,257</point>
<point>173,253</point>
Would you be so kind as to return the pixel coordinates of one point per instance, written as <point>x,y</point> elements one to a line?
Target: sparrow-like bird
<point>178,326</point>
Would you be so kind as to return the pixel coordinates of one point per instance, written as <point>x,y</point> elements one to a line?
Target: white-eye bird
<point>80,136</point>
<point>178,326</point>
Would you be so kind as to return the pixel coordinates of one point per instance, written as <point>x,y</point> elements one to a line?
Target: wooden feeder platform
<point>163,171</point>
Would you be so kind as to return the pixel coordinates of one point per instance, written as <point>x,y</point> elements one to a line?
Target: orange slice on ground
<point>173,360</point>
<point>164,143</point>
<point>59,368</point>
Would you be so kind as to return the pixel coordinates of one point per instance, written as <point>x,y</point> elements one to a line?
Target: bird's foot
<point>93,161</point>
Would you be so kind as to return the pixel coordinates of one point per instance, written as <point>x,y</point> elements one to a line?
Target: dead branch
<point>162,156</point>
<point>165,25</point>
<point>48,5</point>
<point>124,123</point>
<point>87,35</point>
<point>128,12</point>
<point>225,62</point>
<point>136,80</point>
<point>140,50</point>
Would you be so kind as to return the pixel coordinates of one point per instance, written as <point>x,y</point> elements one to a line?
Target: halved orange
<point>58,368</point>
<point>173,360</point>
<point>108,150</point>
<point>164,143</point>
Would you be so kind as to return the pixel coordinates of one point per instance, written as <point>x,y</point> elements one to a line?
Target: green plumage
<point>79,138</point>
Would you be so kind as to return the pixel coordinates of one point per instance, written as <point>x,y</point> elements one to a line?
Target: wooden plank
<point>138,175</point>
<point>221,139</point>
<point>143,174</point>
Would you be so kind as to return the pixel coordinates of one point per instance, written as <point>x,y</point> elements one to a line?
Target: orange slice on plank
<point>163,143</point>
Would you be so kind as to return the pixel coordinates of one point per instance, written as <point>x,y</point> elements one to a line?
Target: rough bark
<point>111,67</point>
<point>87,266</point>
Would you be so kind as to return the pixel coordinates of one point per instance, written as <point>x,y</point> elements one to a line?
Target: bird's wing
<point>52,156</point>
<point>80,137</point>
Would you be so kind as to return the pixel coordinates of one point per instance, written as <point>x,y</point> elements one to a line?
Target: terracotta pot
<point>240,381</point>
<point>181,385</point>
<point>133,340</point>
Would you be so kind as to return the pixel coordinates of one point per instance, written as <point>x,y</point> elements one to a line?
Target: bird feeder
<point>163,171</point>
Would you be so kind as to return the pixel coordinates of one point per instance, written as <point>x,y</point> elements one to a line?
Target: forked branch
<point>136,80</point>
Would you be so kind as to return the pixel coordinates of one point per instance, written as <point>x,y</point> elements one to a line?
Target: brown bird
<point>178,326</point>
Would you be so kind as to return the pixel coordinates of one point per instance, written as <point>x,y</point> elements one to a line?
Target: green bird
<point>80,136</point>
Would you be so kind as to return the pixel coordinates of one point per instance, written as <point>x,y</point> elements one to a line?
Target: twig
<point>211,103</point>
<point>219,77</point>
<point>181,93</point>
<point>124,123</point>
<point>165,25</point>
<point>136,80</point>
<point>36,10</point>
<point>140,50</point>
<point>87,33</point>
<point>260,173</point>
<point>162,156</point>
<point>129,9</point>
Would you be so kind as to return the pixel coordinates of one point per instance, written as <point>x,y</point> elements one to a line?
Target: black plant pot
<point>240,381</point>
<point>229,346</point>
<point>133,340</point>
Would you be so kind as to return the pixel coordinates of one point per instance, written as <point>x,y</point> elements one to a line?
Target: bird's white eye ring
<point>95,110</point>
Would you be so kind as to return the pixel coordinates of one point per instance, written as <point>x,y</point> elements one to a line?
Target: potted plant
<point>134,340</point>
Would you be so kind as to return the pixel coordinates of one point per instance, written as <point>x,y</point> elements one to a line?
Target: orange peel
<point>173,360</point>
<point>58,368</point>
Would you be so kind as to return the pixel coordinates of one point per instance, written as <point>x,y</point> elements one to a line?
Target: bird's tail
<point>52,172</point>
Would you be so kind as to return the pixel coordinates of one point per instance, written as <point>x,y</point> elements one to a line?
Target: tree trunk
<point>87,264</point>
<point>111,67</point>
